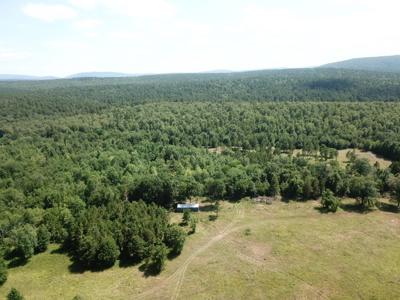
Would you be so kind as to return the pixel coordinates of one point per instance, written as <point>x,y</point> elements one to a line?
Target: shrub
<point>107,252</point>
<point>193,225</point>
<point>3,271</point>
<point>187,215</point>
<point>175,239</point>
<point>156,261</point>
<point>364,189</point>
<point>43,239</point>
<point>14,294</point>
<point>394,184</point>
<point>329,201</point>
<point>25,241</point>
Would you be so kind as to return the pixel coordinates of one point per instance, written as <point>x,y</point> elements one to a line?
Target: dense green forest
<point>96,164</point>
<point>90,95</point>
<point>380,63</point>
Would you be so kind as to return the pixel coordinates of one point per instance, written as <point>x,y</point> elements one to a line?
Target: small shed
<point>191,206</point>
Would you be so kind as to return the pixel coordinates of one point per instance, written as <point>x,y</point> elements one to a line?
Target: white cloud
<point>49,12</point>
<point>84,4</point>
<point>9,55</point>
<point>143,9</point>
<point>68,45</point>
<point>87,24</point>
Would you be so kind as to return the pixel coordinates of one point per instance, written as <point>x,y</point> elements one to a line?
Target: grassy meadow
<point>254,251</point>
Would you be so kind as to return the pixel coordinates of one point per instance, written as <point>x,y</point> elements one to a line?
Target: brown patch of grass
<point>371,157</point>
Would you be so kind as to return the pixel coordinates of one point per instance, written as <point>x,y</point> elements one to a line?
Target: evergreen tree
<point>157,258</point>
<point>329,201</point>
<point>43,239</point>
<point>187,216</point>
<point>107,252</point>
<point>25,241</point>
<point>394,184</point>
<point>274,189</point>
<point>14,294</point>
<point>175,239</point>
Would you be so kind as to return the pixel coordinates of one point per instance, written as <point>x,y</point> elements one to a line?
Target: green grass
<point>371,157</point>
<point>252,251</point>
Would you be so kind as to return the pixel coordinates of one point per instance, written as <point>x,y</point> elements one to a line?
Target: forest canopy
<point>95,164</point>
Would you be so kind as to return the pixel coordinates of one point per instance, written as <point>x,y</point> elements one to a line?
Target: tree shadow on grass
<point>78,268</point>
<point>148,270</point>
<point>172,255</point>
<point>212,218</point>
<point>60,250</point>
<point>389,207</point>
<point>355,208</point>
<point>286,199</point>
<point>208,208</point>
<point>128,262</point>
<point>322,210</point>
<point>17,262</point>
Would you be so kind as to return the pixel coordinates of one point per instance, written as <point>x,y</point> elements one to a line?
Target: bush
<point>329,201</point>
<point>43,239</point>
<point>25,241</point>
<point>175,239</point>
<point>14,295</point>
<point>156,261</point>
<point>187,215</point>
<point>364,189</point>
<point>3,271</point>
<point>394,185</point>
<point>193,225</point>
<point>107,252</point>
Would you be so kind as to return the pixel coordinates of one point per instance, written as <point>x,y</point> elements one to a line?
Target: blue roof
<point>188,205</point>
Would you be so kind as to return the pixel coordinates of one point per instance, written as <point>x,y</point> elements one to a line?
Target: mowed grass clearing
<point>368,155</point>
<point>252,251</point>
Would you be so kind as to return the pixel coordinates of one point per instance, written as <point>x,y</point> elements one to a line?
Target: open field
<point>371,157</point>
<point>254,251</point>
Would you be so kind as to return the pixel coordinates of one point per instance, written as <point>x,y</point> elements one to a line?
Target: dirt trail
<point>179,274</point>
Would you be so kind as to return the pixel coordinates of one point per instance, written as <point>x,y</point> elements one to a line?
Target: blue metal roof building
<point>190,206</point>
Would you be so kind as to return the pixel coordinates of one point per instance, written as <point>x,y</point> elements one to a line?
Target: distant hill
<point>17,77</point>
<point>319,84</point>
<point>379,64</point>
<point>221,71</point>
<point>102,75</point>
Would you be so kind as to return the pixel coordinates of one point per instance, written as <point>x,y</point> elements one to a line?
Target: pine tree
<point>14,294</point>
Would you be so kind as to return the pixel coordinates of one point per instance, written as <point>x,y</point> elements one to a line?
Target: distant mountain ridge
<point>378,64</point>
<point>20,77</point>
<point>389,64</point>
<point>17,77</point>
<point>102,75</point>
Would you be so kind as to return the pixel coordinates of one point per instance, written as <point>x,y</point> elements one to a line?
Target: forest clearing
<point>283,250</point>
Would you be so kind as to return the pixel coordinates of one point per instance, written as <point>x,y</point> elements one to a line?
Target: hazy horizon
<point>60,38</point>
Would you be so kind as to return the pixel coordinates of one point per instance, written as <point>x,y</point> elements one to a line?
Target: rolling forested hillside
<point>23,99</point>
<point>76,154</point>
<point>377,64</point>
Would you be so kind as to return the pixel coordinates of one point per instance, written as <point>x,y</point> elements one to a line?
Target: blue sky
<point>61,37</point>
